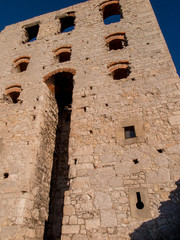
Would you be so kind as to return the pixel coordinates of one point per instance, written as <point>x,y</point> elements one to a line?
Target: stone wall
<point>112,187</point>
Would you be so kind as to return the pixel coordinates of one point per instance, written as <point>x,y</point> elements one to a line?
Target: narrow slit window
<point>111,12</point>
<point>129,132</point>
<point>32,32</point>
<point>67,23</point>
<point>139,204</point>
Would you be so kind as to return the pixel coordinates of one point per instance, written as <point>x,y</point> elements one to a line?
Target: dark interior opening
<point>67,23</point>
<point>59,179</point>
<point>129,132</point>
<point>14,96</point>
<point>112,13</point>
<point>116,44</point>
<point>64,56</point>
<point>139,204</point>
<point>120,73</point>
<point>32,33</point>
<point>22,66</point>
<point>135,161</point>
<point>160,150</point>
<point>6,175</point>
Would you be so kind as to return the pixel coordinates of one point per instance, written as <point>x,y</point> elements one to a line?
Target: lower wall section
<point>113,214</point>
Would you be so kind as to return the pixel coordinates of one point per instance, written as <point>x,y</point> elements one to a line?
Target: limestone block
<point>80,221</point>
<point>92,223</point>
<point>162,160</point>
<point>123,199</point>
<point>73,220</point>
<point>79,237</point>
<point>9,232</point>
<point>108,218</point>
<point>69,210</point>
<point>65,220</point>
<point>83,150</point>
<point>65,237</point>
<point>67,200</point>
<point>80,183</point>
<point>160,176</point>
<point>86,206</point>
<point>174,149</point>
<point>108,158</point>
<point>72,172</point>
<point>102,201</point>
<point>115,181</point>
<point>30,233</point>
<point>43,214</point>
<point>104,177</point>
<point>85,166</point>
<point>175,172</point>
<point>174,120</point>
<point>70,229</point>
<point>35,214</point>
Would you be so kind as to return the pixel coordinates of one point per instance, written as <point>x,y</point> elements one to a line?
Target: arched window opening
<point>63,54</point>
<point>21,63</point>
<point>58,80</point>
<point>13,92</point>
<point>67,22</point>
<point>116,41</point>
<point>111,12</point>
<point>119,70</point>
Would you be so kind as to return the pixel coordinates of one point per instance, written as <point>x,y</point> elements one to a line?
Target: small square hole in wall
<point>129,132</point>
<point>67,23</point>
<point>32,32</point>
<point>135,161</point>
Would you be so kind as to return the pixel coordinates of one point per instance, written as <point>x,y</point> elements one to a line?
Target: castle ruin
<point>89,126</point>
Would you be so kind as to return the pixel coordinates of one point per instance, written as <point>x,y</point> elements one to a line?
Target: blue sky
<point>167,13</point>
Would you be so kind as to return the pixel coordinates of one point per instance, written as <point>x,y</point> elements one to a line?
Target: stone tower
<point>90,126</point>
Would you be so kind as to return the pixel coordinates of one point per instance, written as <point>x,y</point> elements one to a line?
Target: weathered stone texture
<point>95,173</point>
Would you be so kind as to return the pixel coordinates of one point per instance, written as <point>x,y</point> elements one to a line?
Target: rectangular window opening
<point>129,132</point>
<point>32,32</point>
<point>67,23</point>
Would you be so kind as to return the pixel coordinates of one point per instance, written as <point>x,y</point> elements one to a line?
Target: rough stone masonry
<point>89,126</point>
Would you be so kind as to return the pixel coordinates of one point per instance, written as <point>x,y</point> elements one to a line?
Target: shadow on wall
<point>59,177</point>
<point>167,225</point>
